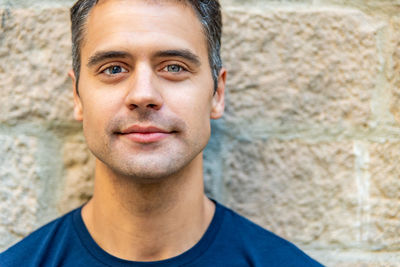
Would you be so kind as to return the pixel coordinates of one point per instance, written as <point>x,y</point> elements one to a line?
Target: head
<point>207,11</point>
<point>147,83</point>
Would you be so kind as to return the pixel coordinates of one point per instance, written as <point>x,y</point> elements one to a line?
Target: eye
<point>113,70</point>
<point>174,68</point>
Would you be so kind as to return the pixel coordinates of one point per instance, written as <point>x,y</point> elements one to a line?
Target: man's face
<point>145,88</point>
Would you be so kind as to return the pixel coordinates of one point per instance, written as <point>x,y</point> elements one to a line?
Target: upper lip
<point>143,129</point>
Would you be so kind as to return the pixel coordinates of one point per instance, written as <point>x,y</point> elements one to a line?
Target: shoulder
<point>30,250</point>
<point>261,245</point>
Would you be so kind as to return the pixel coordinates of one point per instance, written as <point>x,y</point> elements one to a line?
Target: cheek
<point>96,112</point>
<point>190,107</point>
<point>191,96</point>
<point>92,125</point>
<point>194,110</point>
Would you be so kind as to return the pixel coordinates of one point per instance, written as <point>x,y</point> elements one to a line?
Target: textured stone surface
<point>77,187</point>
<point>35,56</point>
<point>378,7</point>
<point>20,188</point>
<point>384,225</point>
<point>356,258</point>
<point>393,67</point>
<point>366,263</point>
<point>298,68</point>
<point>304,192</point>
<point>35,3</point>
<point>213,161</point>
<point>226,3</point>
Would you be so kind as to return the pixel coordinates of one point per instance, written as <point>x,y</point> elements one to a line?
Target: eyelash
<point>124,69</point>
<point>182,68</point>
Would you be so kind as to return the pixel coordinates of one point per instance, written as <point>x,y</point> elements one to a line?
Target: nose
<point>143,92</point>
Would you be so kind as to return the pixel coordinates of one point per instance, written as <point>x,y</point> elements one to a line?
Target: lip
<point>144,135</point>
<point>143,129</point>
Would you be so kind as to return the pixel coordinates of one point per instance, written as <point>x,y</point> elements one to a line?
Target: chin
<point>147,176</point>
<point>148,170</point>
<point>150,166</point>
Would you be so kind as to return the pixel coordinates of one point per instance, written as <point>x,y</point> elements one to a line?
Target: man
<point>147,79</point>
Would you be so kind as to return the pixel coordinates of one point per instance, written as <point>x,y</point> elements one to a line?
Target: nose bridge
<point>142,88</point>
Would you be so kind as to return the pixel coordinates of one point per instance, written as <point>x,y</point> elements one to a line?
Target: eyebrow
<point>103,55</point>
<point>181,53</point>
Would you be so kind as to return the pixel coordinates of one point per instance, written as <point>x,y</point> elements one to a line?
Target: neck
<point>148,221</point>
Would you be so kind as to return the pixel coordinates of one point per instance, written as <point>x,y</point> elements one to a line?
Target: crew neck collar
<point>183,259</point>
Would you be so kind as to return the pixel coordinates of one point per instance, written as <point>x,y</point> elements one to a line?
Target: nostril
<point>132,106</point>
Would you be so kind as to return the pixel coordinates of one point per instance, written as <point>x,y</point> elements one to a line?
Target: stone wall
<point>309,146</point>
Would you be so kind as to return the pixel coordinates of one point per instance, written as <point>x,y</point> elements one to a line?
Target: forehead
<point>133,20</point>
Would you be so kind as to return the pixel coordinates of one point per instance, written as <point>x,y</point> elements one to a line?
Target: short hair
<point>207,11</point>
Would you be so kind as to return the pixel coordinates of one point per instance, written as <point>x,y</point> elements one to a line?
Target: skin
<point>145,99</point>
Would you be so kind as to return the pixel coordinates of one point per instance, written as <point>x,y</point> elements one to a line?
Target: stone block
<point>393,67</point>
<point>304,192</point>
<point>359,263</point>
<point>20,188</point>
<point>384,170</point>
<point>35,3</point>
<point>79,163</point>
<point>355,258</point>
<point>383,224</point>
<point>300,68</point>
<point>249,3</point>
<point>35,55</point>
<point>377,7</point>
<point>213,161</point>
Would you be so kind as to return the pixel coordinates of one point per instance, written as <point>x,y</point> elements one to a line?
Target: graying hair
<point>208,12</point>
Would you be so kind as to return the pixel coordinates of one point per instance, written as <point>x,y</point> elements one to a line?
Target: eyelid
<point>113,64</point>
<point>123,70</point>
<point>169,65</point>
<point>184,67</point>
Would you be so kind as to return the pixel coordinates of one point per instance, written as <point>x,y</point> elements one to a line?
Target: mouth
<point>145,135</point>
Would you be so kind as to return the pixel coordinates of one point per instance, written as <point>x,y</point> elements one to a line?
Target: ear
<point>78,111</point>
<point>218,102</point>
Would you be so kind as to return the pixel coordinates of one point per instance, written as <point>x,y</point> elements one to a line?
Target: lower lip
<point>146,138</point>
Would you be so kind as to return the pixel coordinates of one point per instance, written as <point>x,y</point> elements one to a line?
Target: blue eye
<point>173,68</point>
<point>113,70</point>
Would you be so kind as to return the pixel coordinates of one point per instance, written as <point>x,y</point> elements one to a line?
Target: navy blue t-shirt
<point>230,240</point>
